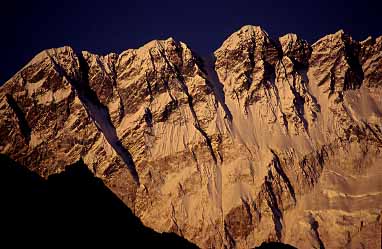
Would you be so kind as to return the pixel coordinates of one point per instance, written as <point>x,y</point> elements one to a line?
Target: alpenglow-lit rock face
<point>268,140</point>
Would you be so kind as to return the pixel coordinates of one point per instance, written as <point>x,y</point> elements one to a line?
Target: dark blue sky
<point>113,26</point>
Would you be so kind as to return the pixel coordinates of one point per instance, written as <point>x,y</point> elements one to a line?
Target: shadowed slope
<point>275,245</point>
<point>70,207</point>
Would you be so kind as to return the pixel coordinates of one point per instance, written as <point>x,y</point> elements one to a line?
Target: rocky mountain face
<point>267,140</point>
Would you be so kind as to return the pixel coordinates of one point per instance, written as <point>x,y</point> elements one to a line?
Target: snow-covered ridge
<point>227,151</point>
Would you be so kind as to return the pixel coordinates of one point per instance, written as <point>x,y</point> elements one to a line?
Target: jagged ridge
<point>226,151</point>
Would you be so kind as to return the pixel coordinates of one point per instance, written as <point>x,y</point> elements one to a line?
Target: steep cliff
<point>266,140</point>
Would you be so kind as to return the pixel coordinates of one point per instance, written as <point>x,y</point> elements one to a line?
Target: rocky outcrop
<point>267,141</point>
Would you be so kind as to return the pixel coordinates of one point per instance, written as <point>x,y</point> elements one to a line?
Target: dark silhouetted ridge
<point>275,245</point>
<point>71,207</point>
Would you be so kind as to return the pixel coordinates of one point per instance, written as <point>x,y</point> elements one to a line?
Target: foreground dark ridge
<point>269,140</point>
<point>70,207</point>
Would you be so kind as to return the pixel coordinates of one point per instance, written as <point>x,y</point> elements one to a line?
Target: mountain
<point>265,141</point>
<point>72,207</point>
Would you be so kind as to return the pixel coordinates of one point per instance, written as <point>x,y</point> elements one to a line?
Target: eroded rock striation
<point>266,140</point>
